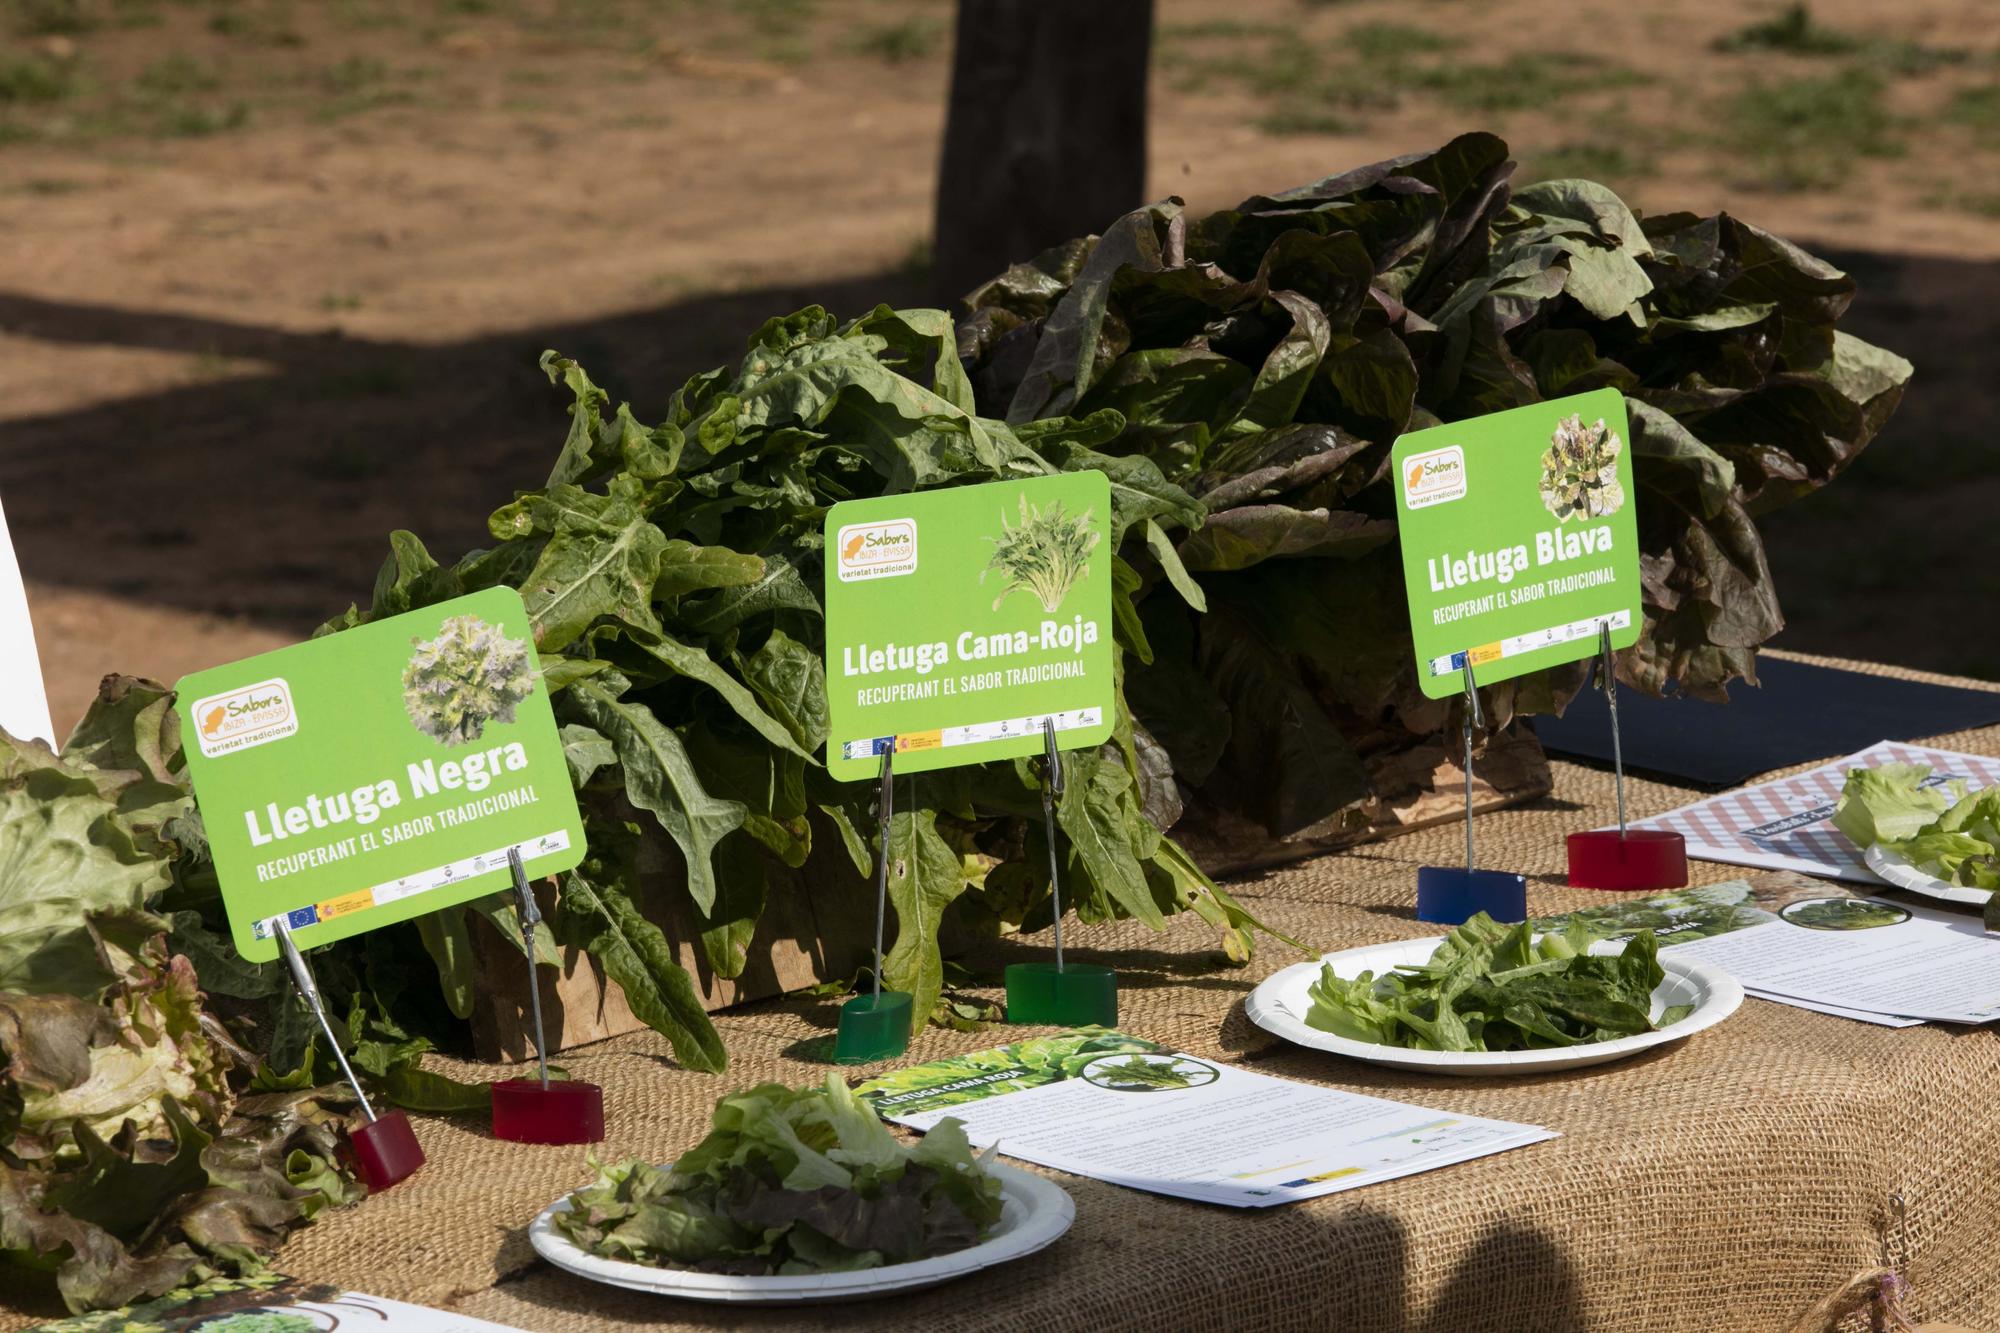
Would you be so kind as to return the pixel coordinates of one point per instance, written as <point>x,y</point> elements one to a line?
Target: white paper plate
<point>1034,1212</point>
<point>1895,869</point>
<point>1280,1004</point>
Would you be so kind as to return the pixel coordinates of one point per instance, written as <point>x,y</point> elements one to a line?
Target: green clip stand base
<point>873,1027</point>
<point>1077,995</point>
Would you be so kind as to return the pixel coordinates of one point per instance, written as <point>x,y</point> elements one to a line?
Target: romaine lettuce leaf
<point>1489,987</point>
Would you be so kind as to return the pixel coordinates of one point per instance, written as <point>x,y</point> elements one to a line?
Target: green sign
<point>374,775</point>
<point>1518,539</point>
<point>957,620</point>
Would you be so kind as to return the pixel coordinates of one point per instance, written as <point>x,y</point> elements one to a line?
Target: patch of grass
<point>352,75</point>
<point>266,27</point>
<point>1280,68</point>
<point>1217,29</point>
<point>51,18</point>
<point>196,120</point>
<point>1590,161</point>
<point>30,79</point>
<point>1524,81</point>
<point>784,50</point>
<point>774,16</point>
<point>912,39</point>
<point>209,364</point>
<point>1295,119</point>
<point>176,75</point>
<point>46,186</point>
<point>1795,32</point>
<point>362,83</point>
<point>1977,108</point>
<point>1804,134</point>
<point>1979,203</point>
<point>1393,41</point>
<point>1305,92</point>
<point>332,302</point>
<point>1904,58</point>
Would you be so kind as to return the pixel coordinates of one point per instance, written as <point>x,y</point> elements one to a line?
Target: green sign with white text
<point>374,775</point>
<point>957,620</point>
<point>1518,539</point>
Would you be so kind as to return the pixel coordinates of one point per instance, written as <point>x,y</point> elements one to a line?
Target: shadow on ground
<point>270,495</point>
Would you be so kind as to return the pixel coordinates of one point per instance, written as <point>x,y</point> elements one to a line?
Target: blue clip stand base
<point>1451,896</point>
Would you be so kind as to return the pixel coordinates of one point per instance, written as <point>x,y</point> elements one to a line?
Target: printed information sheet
<point>1870,955</point>
<point>1787,823</point>
<point>1123,1109</point>
<point>1790,941</point>
<point>271,1303</point>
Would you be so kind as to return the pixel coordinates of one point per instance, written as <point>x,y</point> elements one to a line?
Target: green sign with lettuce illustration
<point>957,620</point>
<point>371,776</point>
<point>1518,539</point>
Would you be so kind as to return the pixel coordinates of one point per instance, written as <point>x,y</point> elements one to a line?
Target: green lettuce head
<point>469,675</point>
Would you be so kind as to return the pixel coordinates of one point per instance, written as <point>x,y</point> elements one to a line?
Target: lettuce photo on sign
<point>1580,471</point>
<point>1046,554</point>
<point>469,675</point>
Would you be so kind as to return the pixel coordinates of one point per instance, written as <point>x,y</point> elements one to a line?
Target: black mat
<point>1801,713</point>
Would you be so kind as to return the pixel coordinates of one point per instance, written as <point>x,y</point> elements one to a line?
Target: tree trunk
<point>1045,132</point>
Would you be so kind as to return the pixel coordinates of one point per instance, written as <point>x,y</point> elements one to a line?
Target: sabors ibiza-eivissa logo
<point>240,718</point>
<point>1433,477</point>
<point>877,550</point>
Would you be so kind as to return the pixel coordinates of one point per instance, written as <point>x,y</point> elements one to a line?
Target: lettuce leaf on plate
<point>1489,987</point>
<point>1891,803</point>
<point>791,1181</point>
<point>1940,828</point>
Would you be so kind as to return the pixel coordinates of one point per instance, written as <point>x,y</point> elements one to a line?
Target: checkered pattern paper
<point>1786,824</point>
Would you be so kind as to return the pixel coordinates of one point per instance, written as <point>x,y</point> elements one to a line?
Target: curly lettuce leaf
<point>1890,803</point>
<point>791,1181</point>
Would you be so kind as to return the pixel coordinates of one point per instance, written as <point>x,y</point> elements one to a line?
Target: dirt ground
<point>278,273</point>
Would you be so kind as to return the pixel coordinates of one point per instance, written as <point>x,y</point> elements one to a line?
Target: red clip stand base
<point>873,1027</point>
<point>386,1150</point>
<point>1073,995</point>
<point>567,1112</point>
<point>1636,859</point>
<point>1452,895</point>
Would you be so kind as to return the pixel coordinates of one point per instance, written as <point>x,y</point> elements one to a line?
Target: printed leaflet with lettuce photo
<point>1120,1108</point>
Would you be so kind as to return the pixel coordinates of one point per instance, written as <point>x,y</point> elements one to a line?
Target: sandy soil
<point>230,365</point>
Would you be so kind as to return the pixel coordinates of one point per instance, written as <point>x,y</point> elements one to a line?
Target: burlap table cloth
<point>1725,1182</point>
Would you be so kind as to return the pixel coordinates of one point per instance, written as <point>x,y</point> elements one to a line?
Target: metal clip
<point>530,916</point>
<point>303,978</point>
<point>1474,717</point>
<point>885,811</point>
<point>1052,790</point>
<point>1611,703</point>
